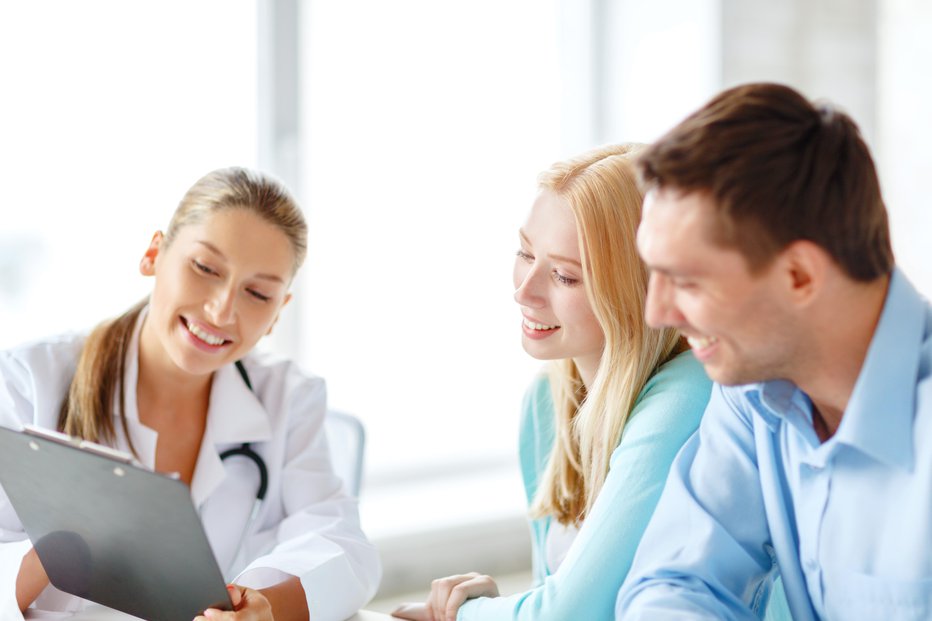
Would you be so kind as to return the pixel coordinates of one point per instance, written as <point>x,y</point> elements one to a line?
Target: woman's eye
<point>524,256</point>
<point>566,280</point>
<point>203,268</point>
<point>259,296</point>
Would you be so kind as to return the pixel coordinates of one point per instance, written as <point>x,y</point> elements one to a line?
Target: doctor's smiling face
<point>557,318</point>
<point>220,284</point>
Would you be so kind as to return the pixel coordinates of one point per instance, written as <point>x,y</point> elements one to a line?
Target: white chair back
<point>347,439</point>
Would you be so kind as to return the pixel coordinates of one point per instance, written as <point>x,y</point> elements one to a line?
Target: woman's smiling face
<point>219,287</point>
<point>557,318</point>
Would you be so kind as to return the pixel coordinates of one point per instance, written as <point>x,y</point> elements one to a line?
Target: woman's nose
<point>221,307</point>
<point>528,291</point>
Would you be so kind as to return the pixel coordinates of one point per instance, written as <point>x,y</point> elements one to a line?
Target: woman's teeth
<point>538,326</point>
<point>204,336</point>
<point>701,342</point>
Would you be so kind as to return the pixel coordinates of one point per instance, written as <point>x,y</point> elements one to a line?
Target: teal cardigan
<point>666,413</point>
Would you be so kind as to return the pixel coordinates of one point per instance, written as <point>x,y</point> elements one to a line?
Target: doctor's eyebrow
<point>217,252</point>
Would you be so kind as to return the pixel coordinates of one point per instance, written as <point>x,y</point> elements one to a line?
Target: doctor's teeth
<point>701,342</point>
<point>204,336</point>
<point>538,326</point>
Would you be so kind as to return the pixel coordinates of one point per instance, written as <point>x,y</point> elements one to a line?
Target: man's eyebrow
<point>216,251</point>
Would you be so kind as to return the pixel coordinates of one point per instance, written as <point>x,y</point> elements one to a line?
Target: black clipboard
<point>107,529</point>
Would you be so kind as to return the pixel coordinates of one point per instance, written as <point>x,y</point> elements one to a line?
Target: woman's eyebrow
<point>559,257</point>
<point>216,251</point>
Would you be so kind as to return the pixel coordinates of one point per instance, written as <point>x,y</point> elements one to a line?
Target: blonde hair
<point>601,188</point>
<point>88,407</point>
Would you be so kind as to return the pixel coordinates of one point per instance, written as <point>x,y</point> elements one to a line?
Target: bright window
<point>110,111</point>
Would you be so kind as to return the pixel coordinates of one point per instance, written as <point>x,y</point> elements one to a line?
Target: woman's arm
<point>587,582</point>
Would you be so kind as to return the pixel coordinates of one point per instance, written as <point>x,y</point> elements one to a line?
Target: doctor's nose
<point>221,306</point>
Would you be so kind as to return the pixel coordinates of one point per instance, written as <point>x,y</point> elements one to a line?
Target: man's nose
<point>659,309</point>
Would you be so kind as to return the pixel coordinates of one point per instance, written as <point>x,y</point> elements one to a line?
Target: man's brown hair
<point>778,170</point>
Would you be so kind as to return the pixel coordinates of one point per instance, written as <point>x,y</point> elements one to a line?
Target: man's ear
<point>805,265</point>
<point>278,314</point>
<point>147,264</point>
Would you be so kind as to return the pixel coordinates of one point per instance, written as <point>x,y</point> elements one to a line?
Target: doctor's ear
<point>147,264</point>
<point>278,314</point>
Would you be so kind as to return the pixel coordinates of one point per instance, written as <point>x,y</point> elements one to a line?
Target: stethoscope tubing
<point>246,450</point>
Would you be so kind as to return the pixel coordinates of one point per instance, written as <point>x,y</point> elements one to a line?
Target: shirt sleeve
<point>319,540</point>
<point>707,552</point>
<point>587,582</point>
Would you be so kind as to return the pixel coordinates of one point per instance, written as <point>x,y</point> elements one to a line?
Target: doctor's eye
<point>202,268</point>
<point>259,296</point>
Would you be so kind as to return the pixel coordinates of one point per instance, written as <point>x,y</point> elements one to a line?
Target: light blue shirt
<point>848,522</point>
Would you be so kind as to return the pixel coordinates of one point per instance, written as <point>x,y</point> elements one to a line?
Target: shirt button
<point>810,564</point>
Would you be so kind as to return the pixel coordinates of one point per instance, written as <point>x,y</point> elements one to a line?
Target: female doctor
<point>161,381</point>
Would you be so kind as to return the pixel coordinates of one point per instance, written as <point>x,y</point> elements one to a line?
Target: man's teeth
<point>701,342</point>
<point>204,336</point>
<point>538,326</point>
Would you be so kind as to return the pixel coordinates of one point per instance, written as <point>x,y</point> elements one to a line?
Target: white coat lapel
<point>235,415</point>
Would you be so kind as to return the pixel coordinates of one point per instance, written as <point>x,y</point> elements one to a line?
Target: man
<point>768,246</point>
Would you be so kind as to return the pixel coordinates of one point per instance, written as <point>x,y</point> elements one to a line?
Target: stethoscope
<point>246,451</point>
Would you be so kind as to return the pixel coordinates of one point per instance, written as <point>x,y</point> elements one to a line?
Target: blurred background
<point>412,133</point>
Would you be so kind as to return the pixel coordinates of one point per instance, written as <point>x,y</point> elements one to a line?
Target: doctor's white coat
<point>308,525</point>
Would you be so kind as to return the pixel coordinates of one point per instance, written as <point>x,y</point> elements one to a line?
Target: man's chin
<point>731,377</point>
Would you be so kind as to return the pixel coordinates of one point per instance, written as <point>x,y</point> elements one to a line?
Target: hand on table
<point>248,605</point>
<point>446,597</point>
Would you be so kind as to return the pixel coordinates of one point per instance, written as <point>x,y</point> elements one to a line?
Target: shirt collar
<point>235,413</point>
<point>878,419</point>
<point>879,416</point>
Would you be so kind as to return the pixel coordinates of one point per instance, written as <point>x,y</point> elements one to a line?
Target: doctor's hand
<point>31,580</point>
<point>446,597</point>
<point>248,605</point>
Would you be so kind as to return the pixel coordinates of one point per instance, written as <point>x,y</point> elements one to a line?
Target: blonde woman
<point>601,427</point>
<point>175,381</point>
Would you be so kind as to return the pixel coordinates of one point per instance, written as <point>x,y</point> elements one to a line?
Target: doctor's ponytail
<point>88,409</point>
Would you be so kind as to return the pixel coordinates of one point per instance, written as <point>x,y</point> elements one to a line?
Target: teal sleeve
<point>535,444</point>
<point>587,582</point>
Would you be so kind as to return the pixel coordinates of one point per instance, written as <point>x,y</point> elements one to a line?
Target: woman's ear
<point>147,264</point>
